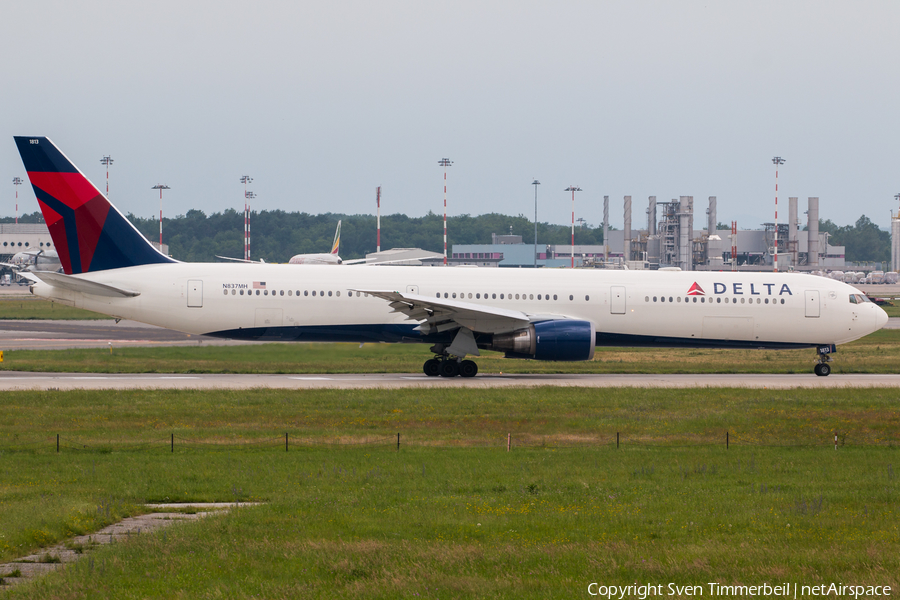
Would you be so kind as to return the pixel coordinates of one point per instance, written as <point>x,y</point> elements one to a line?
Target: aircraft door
<point>195,293</point>
<point>412,289</point>
<point>617,300</point>
<point>812,303</point>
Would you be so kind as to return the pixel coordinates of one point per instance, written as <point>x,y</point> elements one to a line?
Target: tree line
<point>277,235</point>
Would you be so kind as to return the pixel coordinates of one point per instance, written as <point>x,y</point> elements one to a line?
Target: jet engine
<point>548,340</point>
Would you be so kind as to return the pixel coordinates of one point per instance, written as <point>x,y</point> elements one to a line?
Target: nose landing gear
<point>822,368</point>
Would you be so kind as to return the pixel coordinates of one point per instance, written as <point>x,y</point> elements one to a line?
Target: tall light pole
<point>160,187</point>
<point>247,197</point>
<point>378,219</point>
<point>245,179</point>
<point>17,181</point>
<point>106,161</point>
<point>535,183</point>
<point>776,161</point>
<point>445,162</point>
<point>573,189</point>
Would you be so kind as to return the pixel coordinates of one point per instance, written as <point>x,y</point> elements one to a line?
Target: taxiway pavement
<point>13,380</point>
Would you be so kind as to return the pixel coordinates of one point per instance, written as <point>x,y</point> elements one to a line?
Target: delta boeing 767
<point>547,314</point>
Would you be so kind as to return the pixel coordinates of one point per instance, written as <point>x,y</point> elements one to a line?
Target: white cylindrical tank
<point>627,244</point>
<point>813,232</point>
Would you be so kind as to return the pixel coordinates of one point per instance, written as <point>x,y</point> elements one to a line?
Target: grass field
<point>29,307</point>
<point>876,353</point>
<point>452,514</point>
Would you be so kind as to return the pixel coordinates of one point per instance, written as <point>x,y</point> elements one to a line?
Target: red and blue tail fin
<point>89,233</point>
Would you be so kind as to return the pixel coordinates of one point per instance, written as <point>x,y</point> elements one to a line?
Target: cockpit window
<point>859,299</point>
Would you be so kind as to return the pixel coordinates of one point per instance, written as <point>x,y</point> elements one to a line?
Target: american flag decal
<point>259,285</point>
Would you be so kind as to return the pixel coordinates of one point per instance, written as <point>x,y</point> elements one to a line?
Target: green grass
<point>29,307</point>
<point>892,311</point>
<point>452,514</point>
<point>876,353</point>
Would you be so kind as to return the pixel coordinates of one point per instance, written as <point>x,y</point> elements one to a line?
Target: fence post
<point>398,442</point>
<point>835,440</point>
<point>726,440</point>
<point>617,440</point>
<point>285,441</point>
<point>508,441</point>
<point>173,443</point>
<point>57,443</point>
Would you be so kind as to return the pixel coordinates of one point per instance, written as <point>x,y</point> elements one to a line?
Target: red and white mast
<point>17,181</point>
<point>573,189</point>
<point>445,162</point>
<point>378,219</point>
<point>776,161</point>
<point>160,187</point>
<point>246,179</point>
<point>106,161</point>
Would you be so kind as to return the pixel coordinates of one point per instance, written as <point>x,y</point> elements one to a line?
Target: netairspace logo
<point>716,590</point>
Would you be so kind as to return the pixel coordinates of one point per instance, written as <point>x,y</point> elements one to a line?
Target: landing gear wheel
<point>449,368</point>
<point>432,367</point>
<point>468,368</point>
<point>822,369</point>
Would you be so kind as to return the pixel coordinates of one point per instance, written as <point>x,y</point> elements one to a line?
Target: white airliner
<point>548,314</point>
<point>34,260</point>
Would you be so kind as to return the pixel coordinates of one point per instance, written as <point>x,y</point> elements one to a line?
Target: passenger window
<point>494,296</point>
<point>554,296</point>
<point>242,292</point>
<point>306,292</point>
<point>454,294</point>
<point>470,295</point>
<point>587,298</point>
<point>329,293</point>
<point>314,292</point>
<point>571,297</point>
<point>478,296</point>
<point>257,292</point>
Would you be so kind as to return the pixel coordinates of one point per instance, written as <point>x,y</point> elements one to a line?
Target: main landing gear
<point>822,368</point>
<point>447,366</point>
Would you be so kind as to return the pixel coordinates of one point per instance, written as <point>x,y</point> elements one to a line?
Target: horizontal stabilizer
<point>84,286</point>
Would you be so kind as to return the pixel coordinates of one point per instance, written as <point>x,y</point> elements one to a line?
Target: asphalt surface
<point>12,380</point>
<point>61,335</point>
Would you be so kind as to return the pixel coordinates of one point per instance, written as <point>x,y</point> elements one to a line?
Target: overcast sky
<point>320,102</point>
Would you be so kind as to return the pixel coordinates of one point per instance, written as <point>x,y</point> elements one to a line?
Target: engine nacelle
<point>549,340</point>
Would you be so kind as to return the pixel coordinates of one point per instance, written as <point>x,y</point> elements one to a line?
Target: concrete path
<point>60,555</point>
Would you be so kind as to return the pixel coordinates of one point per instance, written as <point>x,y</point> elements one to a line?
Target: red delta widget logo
<point>741,289</point>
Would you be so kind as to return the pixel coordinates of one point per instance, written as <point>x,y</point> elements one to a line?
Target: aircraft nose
<point>881,318</point>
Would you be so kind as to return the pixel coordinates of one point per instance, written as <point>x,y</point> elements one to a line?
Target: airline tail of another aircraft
<point>89,233</point>
<point>337,240</point>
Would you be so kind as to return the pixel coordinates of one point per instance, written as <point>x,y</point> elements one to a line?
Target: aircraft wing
<point>438,314</point>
